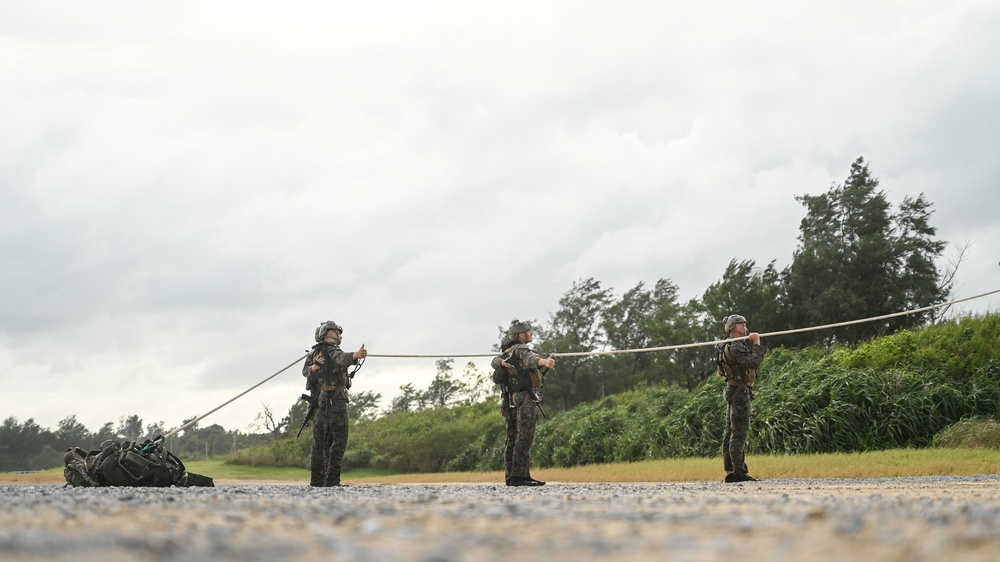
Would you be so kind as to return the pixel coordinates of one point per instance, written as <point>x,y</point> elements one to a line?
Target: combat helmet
<point>325,327</point>
<point>517,326</point>
<point>732,320</point>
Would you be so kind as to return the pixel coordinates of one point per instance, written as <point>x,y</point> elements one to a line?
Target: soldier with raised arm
<point>326,371</point>
<point>522,396</point>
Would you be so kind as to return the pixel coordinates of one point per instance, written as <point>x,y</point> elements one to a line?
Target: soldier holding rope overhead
<point>738,363</point>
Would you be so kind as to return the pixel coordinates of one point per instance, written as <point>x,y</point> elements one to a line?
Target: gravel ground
<point>921,518</point>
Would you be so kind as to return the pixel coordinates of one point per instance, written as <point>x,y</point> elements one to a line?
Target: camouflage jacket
<point>334,372</point>
<point>522,355</point>
<point>739,361</point>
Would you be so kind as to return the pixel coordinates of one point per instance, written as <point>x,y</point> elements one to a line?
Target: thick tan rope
<point>611,352</point>
<point>714,342</point>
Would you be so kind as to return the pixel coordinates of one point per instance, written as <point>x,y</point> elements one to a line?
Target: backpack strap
<point>521,377</point>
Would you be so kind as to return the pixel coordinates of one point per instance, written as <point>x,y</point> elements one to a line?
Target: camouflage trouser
<point>329,439</point>
<point>510,415</point>
<point>520,435</point>
<point>737,428</point>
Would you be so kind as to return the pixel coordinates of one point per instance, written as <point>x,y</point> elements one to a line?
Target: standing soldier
<point>326,374</point>
<point>522,394</point>
<point>738,363</point>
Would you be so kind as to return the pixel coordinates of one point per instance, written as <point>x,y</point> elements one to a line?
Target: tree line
<point>28,446</point>
<point>905,390</point>
<point>857,257</point>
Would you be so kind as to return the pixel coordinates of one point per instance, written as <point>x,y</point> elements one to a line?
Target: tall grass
<point>895,392</point>
<point>972,433</point>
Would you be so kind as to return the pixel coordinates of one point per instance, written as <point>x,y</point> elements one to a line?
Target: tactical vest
<point>733,372</point>
<point>524,377</point>
<point>331,373</point>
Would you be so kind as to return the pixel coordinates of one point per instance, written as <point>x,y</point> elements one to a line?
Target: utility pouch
<point>536,378</point>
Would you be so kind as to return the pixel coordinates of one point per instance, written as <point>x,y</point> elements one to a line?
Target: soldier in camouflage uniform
<point>738,363</point>
<point>327,375</point>
<point>502,376</point>
<point>524,385</point>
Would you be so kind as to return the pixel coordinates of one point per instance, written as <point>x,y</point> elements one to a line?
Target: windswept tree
<point>478,384</point>
<point>21,442</point>
<point>676,323</point>
<point>409,399</point>
<point>575,327</point>
<point>751,291</point>
<point>72,433</point>
<point>105,432</point>
<point>626,327</point>
<point>857,259</point>
<point>130,427</point>
<point>445,389</point>
<point>645,318</point>
<point>157,428</point>
<point>921,283</point>
<point>363,405</point>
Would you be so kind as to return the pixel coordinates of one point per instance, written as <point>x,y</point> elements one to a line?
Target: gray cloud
<point>186,192</point>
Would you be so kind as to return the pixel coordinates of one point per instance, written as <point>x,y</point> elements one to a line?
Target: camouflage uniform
<point>738,363</point>
<point>522,418</point>
<point>330,424</point>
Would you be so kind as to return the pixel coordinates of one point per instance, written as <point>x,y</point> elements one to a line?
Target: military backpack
<point>129,464</point>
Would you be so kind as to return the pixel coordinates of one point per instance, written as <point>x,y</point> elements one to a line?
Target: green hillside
<point>899,391</point>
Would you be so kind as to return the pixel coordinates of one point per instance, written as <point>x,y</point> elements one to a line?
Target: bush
<point>974,433</point>
<point>355,458</point>
<point>898,391</point>
<point>956,349</point>
<point>287,452</point>
<point>621,428</point>
<point>428,440</point>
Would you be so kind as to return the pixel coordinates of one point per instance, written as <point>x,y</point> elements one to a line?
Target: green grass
<point>221,470</point>
<point>896,462</point>
<point>891,463</point>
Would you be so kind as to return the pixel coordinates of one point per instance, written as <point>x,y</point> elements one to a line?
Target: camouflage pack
<point>129,464</point>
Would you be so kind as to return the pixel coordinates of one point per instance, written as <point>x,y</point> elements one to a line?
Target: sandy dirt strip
<point>920,518</point>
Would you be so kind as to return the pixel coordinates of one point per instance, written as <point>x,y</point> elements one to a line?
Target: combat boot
<point>537,482</point>
<point>522,481</point>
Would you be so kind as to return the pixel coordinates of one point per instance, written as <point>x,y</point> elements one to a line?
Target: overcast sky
<point>187,189</point>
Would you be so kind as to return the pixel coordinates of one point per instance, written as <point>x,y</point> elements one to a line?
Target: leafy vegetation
<point>816,400</point>
<point>848,393</point>
<point>873,260</point>
<point>895,462</point>
<point>27,446</point>
<point>971,433</point>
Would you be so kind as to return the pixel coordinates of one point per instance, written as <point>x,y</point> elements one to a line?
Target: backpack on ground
<point>129,464</point>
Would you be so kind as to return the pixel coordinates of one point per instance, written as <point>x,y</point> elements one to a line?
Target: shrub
<point>903,390</point>
<point>355,458</point>
<point>978,432</point>
<point>287,452</point>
